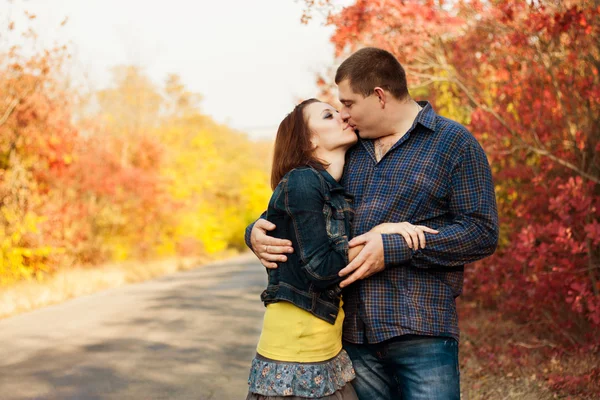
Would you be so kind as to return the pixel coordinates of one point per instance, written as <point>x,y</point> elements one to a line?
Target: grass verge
<point>67,284</point>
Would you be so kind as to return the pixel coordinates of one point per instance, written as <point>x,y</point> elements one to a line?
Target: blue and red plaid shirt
<point>436,175</point>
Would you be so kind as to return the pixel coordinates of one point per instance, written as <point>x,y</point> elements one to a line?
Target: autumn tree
<point>523,76</point>
<point>138,173</point>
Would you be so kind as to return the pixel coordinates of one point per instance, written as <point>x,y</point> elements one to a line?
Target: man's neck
<point>403,116</point>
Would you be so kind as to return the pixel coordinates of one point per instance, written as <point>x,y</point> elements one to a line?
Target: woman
<point>299,354</point>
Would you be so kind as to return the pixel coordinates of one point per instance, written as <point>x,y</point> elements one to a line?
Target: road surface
<point>190,335</point>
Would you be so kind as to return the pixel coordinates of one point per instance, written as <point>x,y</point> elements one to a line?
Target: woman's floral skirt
<point>314,380</point>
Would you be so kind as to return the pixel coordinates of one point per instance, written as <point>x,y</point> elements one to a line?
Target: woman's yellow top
<point>292,334</point>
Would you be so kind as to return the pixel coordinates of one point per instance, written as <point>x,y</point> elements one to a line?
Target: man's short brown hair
<point>369,68</point>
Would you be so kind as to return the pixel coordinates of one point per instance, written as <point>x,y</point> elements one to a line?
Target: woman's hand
<point>413,234</point>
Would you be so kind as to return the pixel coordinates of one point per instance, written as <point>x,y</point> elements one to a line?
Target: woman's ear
<point>380,93</point>
<point>314,140</point>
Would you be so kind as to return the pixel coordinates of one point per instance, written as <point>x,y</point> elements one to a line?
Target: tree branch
<point>11,107</point>
<point>529,147</point>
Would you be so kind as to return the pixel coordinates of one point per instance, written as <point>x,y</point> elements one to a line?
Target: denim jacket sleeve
<point>321,257</point>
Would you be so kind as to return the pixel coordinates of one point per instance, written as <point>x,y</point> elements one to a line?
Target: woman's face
<point>329,131</point>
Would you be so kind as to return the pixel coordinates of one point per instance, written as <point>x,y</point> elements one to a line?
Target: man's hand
<point>368,262</point>
<point>268,249</point>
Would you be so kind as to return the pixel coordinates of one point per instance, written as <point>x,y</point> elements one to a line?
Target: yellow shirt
<point>292,334</point>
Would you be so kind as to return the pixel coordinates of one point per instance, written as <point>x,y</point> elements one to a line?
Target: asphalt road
<point>190,335</point>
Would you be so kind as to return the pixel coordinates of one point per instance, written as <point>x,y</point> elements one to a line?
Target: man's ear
<point>380,93</point>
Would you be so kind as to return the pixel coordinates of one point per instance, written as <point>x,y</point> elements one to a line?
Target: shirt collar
<point>426,116</point>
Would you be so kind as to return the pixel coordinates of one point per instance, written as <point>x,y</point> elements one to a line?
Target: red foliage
<point>527,73</point>
<point>85,193</point>
<point>576,385</point>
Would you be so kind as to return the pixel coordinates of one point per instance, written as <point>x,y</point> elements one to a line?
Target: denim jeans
<point>408,367</point>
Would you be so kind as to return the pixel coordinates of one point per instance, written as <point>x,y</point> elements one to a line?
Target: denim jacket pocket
<point>340,243</point>
<point>335,220</point>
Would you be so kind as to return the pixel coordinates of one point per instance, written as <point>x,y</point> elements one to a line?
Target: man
<point>401,326</point>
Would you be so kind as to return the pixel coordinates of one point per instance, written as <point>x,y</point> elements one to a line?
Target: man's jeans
<point>409,367</point>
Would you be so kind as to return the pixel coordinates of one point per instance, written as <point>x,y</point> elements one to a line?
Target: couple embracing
<point>376,208</point>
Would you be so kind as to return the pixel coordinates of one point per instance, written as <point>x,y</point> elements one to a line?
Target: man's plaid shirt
<point>436,175</point>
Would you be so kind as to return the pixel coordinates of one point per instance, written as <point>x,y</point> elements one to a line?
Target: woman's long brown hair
<point>293,147</point>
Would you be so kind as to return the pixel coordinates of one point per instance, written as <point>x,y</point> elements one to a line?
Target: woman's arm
<point>353,251</point>
<point>413,234</point>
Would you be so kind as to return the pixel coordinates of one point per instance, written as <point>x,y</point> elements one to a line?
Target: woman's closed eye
<point>329,115</point>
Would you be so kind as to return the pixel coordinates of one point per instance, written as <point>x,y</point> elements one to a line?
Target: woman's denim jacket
<point>311,209</point>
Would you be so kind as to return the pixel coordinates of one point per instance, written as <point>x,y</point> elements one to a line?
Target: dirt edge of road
<point>27,296</point>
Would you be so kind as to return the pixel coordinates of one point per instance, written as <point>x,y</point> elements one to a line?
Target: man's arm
<point>248,233</point>
<point>268,249</point>
<point>473,233</point>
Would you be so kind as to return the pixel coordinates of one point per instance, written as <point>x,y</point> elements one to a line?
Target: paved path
<point>190,335</point>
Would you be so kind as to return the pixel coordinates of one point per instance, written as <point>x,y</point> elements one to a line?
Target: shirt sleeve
<point>321,257</point>
<point>249,231</point>
<point>473,232</point>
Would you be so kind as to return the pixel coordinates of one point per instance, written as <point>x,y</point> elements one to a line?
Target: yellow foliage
<point>220,179</point>
<point>448,103</point>
<point>183,184</point>
<point>18,261</point>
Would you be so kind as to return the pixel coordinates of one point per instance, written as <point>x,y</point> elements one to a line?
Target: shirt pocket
<point>428,189</point>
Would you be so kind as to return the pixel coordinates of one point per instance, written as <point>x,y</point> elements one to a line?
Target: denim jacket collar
<point>335,186</point>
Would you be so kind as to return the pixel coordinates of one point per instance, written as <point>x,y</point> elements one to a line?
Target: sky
<point>251,60</point>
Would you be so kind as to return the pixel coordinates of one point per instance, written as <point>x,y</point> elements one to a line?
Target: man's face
<point>362,113</point>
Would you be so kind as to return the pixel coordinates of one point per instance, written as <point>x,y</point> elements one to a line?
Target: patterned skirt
<point>310,380</point>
